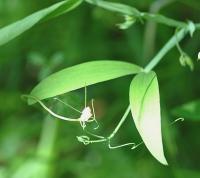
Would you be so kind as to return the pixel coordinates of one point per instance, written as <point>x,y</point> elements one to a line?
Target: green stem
<point>177,44</point>
<point>97,141</point>
<point>167,47</point>
<point>163,20</point>
<point>151,28</point>
<point>120,122</point>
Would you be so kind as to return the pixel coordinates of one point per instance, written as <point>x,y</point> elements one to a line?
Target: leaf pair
<point>144,94</point>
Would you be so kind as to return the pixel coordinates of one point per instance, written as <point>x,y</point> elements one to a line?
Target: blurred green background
<point>34,145</point>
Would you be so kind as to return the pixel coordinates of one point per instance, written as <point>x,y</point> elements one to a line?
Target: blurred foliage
<point>189,110</point>
<point>34,145</point>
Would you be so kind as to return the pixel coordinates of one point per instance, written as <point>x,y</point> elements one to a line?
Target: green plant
<point>144,91</point>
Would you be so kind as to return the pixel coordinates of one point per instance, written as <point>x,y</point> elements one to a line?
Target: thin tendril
<point>134,145</point>
<point>66,104</point>
<point>177,43</point>
<point>49,110</point>
<point>83,139</point>
<point>86,140</point>
<point>93,111</point>
<point>94,135</point>
<point>85,95</point>
<point>120,146</point>
<point>177,120</point>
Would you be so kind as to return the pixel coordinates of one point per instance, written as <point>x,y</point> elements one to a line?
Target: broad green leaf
<point>190,110</point>
<point>82,75</point>
<point>13,30</point>
<point>145,109</point>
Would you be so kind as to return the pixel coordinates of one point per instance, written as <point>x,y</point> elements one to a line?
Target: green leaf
<point>13,30</point>
<point>145,109</point>
<point>190,110</point>
<point>82,75</point>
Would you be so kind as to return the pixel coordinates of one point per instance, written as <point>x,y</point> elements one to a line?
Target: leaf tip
<point>163,161</point>
<point>29,99</point>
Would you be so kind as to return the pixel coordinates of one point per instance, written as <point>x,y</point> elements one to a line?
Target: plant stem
<point>168,46</point>
<point>151,28</point>
<point>97,141</point>
<point>120,122</point>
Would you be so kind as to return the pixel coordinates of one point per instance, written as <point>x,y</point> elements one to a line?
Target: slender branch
<point>163,20</point>
<point>151,28</point>
<point>97,141</point>
<point>49,110</point>
<point>168,46</point>
<point>120,123</point>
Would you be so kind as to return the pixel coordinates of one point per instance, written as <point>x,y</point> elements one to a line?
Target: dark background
<point>32,144</point>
